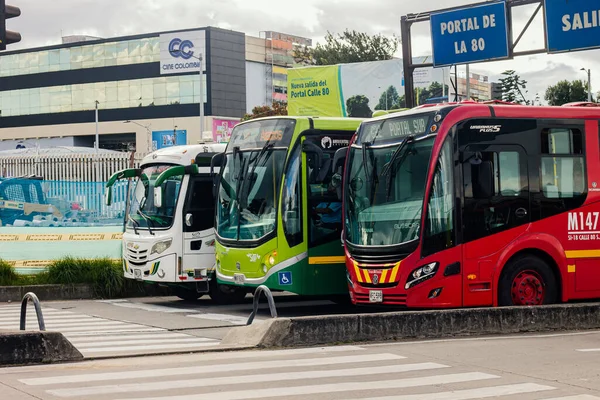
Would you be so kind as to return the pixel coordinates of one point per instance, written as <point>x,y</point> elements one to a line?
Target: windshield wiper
<point>135,224</point>
<point>388,168</point>
<point>147,219</point>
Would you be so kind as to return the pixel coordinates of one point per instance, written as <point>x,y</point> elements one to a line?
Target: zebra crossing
<point>102,337</point>
<point>332,373</point>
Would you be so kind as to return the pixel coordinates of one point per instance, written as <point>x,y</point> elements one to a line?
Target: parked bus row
<point>451,205</point>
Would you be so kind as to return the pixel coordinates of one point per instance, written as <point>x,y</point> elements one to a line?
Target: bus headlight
<point>421,274</point>
<point>264,268</point>
<point>161,246</point>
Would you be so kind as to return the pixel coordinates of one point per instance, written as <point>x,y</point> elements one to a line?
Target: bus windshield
<point>142,212</point>
<point>251,178</point>
<point>387,172</point>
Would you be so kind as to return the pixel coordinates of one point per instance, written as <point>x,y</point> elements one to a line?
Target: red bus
<point>473,204</point>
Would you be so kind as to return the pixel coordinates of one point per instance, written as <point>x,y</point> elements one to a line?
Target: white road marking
<point>132,349</point>
<point>211,369</point>
<point>226,380</point>
<point>166,341</point>
<point>479,393</point>
<point>333,388</point>
<point>222,317</point>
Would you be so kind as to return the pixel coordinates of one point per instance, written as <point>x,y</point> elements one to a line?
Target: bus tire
<point>226,294</point>
<point>187,294</point>
<point>527,281</point>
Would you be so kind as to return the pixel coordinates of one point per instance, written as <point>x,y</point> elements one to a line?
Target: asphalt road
<point>561,366</point>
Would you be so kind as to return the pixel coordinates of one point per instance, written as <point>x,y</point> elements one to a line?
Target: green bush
<point>8,276</point>
<point>105,274</point>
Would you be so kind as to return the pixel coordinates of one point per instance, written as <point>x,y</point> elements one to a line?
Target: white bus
<point>169,236</point>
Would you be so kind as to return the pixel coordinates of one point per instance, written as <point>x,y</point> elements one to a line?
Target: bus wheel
<point>187,294</point>
<point>226,294</point>
<point>527,281</point>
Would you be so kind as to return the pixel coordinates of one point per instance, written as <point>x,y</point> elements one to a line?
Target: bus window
<point>562,163</point>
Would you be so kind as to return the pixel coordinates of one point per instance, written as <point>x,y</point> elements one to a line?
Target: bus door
<point>495,201</point>
<point>324,213</point>
<point>198,221</point>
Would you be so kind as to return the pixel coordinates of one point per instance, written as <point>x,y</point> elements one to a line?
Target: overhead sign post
<point>470,35</point>
<point>572,25</point>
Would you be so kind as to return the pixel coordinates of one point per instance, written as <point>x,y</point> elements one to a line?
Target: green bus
<point>278,212</point>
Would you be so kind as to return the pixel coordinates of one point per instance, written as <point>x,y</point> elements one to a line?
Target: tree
<point>278,108</point>
<point>512,87</point>
<point>348,47</point>
<point>566,92</point>
<point>358,106</point>
<point>389,100</point>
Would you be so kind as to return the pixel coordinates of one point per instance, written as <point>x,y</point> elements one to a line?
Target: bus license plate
<point>239,279</point>
<point>137,273</point>
<point>375,296</point>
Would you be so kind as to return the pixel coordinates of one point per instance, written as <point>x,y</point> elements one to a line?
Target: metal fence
<point>73,183</point>
<point>73,167</point>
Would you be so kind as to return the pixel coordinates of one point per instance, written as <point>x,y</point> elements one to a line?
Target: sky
<point>42,23</point>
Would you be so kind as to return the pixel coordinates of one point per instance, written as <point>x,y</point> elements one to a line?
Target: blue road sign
<point>285,278</point>
<point>469,35</point>
<point>572,25</point>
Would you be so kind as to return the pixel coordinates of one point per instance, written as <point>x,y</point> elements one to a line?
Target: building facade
<point>146,89</point>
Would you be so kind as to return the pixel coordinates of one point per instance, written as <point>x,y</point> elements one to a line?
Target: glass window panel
<point>76,55</point>
<point>109,62</point>
<point>67,67</point>
<point>134,48</point>
<point>172,87</point>
<point>110,51</point>
<point>99,52</point>
<point>135,91</point>
<point>112,94</point>
<point>87,53</point>
<point>160,90</point>
<point>123,89</point>
<point>122,50</point>
<point>147,91</point>
<point>54,57</point>
<point>186,88</point>
<point>160,101</point>
<point>65,56</point>
<point>187,99</point>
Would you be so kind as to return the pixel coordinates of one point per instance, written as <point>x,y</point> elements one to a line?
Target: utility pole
<point>97,144</point>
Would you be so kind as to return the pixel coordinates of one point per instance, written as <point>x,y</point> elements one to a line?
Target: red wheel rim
<point>528,289</point>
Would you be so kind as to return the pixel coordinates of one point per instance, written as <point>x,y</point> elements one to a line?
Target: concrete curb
<point>380,327</point>
<point>47,292</point>
<point>22,348</point>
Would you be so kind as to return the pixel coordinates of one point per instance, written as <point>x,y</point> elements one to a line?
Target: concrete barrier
<point>47,292</point>
<point>379,327</point>
<point>22,348</point>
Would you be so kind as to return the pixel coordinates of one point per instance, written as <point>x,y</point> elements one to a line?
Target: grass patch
<point>8,276</point>
<point>104,274</point>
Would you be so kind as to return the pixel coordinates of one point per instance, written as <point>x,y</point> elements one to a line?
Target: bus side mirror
<point>108,196</point>
<point>158,197</point>
<point>311,148</point>
<point>217,160</point>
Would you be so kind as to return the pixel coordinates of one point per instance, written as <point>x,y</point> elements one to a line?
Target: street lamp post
<point>589,73</point>
<point>97,144</point>
<point>200,58</point>
<point>147,127</point>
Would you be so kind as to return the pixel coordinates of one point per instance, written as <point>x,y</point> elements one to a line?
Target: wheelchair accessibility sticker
<point>285,278</point>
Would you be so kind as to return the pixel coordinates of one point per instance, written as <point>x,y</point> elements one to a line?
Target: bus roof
<point>319,122</point>
<point>507,110</point>
<point>182,155</point>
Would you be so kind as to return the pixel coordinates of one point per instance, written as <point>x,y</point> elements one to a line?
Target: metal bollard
<point>38,310</point>
<point>270,300</point>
